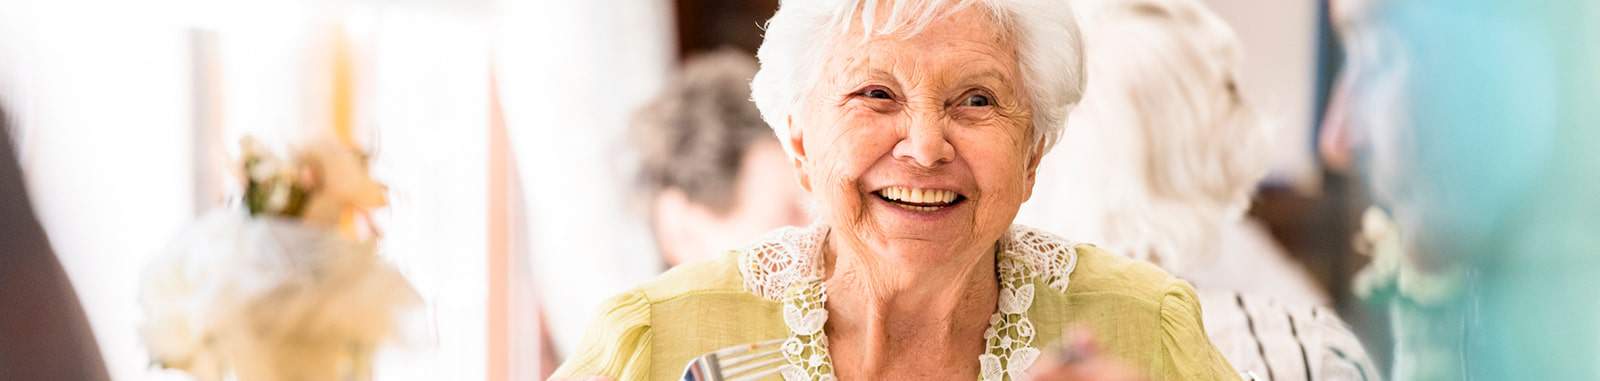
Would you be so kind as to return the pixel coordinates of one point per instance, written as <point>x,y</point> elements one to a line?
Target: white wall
<point>430,117</point>
<point>101,91</point>
<point>1279,72</point>
<point>571,73</point>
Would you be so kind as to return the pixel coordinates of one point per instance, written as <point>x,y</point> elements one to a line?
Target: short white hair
<point>1049,52</point>
<point>1177,67</point>
<point>1173,147</point>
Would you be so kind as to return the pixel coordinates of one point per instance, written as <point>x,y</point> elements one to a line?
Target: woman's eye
<point>977,100</point>
<point>876,93</point>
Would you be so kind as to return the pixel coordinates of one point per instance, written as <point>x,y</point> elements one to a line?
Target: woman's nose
<point>925,144</point>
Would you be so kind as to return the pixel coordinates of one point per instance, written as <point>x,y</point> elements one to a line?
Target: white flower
<point>793,373</point>
<point>1025,330</point>
<point>1016,300</point>
<point>808,323</point>
<point>1018,363</point>
<point>268,294</point>
<point>1009,266</point>
<point>792,348</point>
<point>989,367</point>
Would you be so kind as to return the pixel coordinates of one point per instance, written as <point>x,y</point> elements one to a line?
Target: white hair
<point>798,37</point>
<point>1178,64</point>
<point>1173,149</point>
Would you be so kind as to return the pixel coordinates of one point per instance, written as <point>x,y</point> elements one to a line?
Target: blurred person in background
<point>1173,150</point>
<point>1474,124</point>
<point>710,169</point>
<point>1173,153</point>
<point>44,334</point>
<point>917,127</point>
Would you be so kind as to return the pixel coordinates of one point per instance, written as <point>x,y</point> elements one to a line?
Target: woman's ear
<point>1035,156</point>
<point>797,148</point>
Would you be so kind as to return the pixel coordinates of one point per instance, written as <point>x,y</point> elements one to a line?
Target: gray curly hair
<point>694,135</point>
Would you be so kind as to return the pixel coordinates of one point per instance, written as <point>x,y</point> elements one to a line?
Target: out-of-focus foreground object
<point>44,334</point>
<point>284,288</point>
<point>1477,127</point>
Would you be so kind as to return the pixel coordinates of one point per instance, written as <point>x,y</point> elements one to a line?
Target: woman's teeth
<point>922,200</point>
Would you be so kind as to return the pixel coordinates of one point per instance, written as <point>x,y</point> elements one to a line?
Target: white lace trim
<point>785,266</point>
<point>1051,257</point>
<point>782,258</point>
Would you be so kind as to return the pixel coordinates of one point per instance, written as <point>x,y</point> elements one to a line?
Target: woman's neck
<point>885,317</point>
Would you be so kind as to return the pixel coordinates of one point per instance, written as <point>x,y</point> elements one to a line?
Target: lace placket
<point>785,267</point>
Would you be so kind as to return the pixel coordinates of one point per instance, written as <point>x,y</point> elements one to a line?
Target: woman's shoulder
<point>700,284</point>
<point>763,268</point>
<point>649,332</point>
<point>1138,311</point>
<point>1073,268</point>
<point>1078,280</point>
<point>1102,272</point>
<point>719,274</point>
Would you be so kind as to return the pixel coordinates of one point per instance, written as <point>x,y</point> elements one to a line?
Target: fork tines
<point>741,362</point>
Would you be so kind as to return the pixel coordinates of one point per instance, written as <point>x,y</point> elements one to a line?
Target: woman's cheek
<point>832,182</point>
<point>1001,176</point>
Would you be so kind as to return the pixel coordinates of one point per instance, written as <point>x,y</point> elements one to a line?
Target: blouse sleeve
<point>617,345</point>
<point>1186,352</point>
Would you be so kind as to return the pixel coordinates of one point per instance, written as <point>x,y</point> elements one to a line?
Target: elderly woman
<point>918,128</point>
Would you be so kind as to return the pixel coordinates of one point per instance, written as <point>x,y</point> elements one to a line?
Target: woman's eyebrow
<point>982,73</point>
<point>872,74</point>
<point>980,76</point>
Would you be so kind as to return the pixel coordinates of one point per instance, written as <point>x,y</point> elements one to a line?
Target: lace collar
<point>786,266</point>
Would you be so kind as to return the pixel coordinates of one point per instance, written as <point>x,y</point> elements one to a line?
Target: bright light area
<point>103,94</point>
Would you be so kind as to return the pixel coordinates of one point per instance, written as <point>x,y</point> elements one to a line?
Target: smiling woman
<point>918,127</point>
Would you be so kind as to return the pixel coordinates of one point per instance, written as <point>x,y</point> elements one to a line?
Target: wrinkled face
<point>919,149</point>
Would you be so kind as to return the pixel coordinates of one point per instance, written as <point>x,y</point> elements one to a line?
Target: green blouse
<point>1137,312</point>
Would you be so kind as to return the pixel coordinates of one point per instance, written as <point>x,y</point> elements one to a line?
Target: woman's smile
<point>921,200</point>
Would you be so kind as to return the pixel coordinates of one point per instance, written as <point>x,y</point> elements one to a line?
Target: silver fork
<point>741,362</point>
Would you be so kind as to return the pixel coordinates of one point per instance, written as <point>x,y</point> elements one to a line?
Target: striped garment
<point>1274,341</point>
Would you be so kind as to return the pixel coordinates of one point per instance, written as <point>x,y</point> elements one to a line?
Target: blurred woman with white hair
<point>1172,148</point>
<point>1174,153</point>
<point>917,127</point>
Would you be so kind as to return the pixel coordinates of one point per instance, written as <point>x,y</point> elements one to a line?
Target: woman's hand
<point>1079,358</point>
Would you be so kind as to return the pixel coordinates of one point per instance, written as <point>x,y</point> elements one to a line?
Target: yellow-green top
<point>1137,312</point>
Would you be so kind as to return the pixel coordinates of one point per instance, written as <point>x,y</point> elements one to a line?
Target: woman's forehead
<point>967,44</point>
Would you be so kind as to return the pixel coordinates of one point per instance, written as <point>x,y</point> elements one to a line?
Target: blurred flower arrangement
<point>287,287</point>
